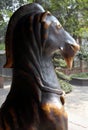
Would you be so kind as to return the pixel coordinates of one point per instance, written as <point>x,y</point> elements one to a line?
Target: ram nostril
<point>75,47</point>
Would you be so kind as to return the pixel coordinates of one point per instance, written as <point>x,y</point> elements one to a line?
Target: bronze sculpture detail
<point>35,100</point>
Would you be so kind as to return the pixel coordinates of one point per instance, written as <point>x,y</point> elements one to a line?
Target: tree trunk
<point>79,40</point>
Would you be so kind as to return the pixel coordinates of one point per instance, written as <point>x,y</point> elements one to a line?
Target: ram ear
<point>46,19</point>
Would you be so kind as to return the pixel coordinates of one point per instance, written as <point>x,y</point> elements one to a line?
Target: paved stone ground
<point>76,106</point>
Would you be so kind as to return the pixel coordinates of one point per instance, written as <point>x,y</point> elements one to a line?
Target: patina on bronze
<point>35,100</point>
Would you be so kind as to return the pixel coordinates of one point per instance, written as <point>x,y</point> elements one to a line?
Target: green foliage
<point>61,75</point>
<point>64,81</point>
<point>65,86</point>
<point>59,62</point>
<point>79,75</point>
<point>84,32</point>
<point>73,14</point>
<point>2,46</point>
<point>83,53</point>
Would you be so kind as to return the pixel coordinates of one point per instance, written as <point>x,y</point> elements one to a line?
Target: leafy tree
<point>6,10</point>
<point>72,14</point>
<point>83,53</point>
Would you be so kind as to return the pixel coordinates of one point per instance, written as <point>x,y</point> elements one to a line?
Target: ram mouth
<point>69,52</point>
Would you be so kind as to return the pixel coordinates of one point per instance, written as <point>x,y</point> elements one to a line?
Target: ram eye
<point>59,26</point>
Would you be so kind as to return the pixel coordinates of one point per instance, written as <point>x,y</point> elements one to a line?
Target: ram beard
<point>69,54</point>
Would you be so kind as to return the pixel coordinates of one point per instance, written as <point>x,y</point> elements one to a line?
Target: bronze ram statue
<point>35,100</point>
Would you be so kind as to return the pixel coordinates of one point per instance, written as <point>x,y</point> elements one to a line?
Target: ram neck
<point>48,73</point>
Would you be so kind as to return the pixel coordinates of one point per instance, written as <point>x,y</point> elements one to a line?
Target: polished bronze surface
<point>35,100</point>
